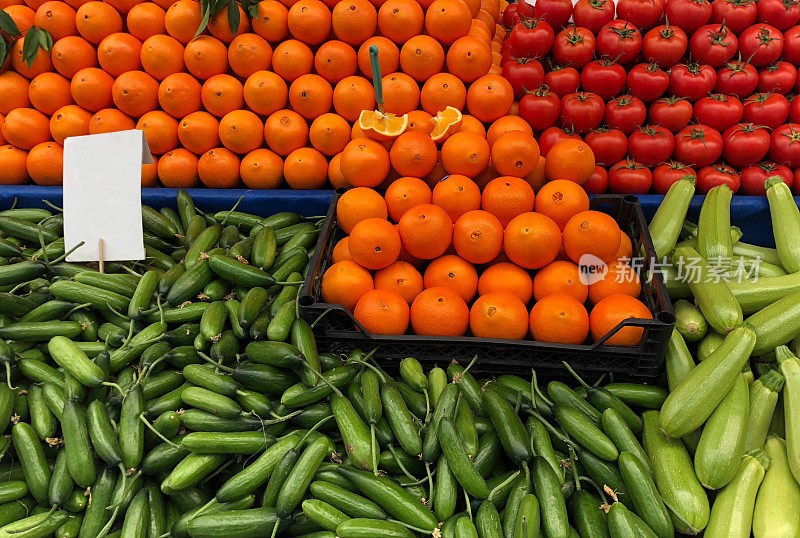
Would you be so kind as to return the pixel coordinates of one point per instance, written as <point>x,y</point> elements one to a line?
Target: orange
<point>506,197</point>
<point>352,95</point>
<point>457,195</point>
<point>161,131</point>
<point>162,56</point>
<point>220,27</point>
<point>48,92</point>
<point>45,163</point>
<point>249,53</point>
<point>536,178</point>
<point>469,124</point>
<point>439,311</point>
<point>611,311</point>
<point>291,59</point>
<point>357,204</point>
<point>310,96</point>
<point>381,126</point>
<point>150,174</point>
<point>241,131</point>
<point>561,200</point>
<point>110,120</point>
<point>559,319</point>
<point>40,64</point>
<point>502,125</point>
<point>123,6</point>
<point>15,89</point>
<point>145,20</point>
<point>422,57</point>
<point>469,58</point>
<point>71,54</point>
<point>218,168</point>
<point>70,120</point>
<point>570,159</point>
<point>562,278</point>
<point>329,134</point>
<point>365,162</point>
<point>490,97</point>
<point>305,168</point>
<point>135,93</point>
<point>205,57</point>
<point>506,277</point>
<point>25,128</point>
<point>426,231</point>
<point>515,153</point>
<point>400,20</point>
<point>23,16</point>
<point>310,21</point>
<point>478,236</point>
<point>335,173</point>
<point>620,279</point>
<point>382,311</point>
<point>401,277</point>
<point>265,93</point>
<point>178,169</point>
<point>625,251</point>
<point>92,89</point>
<point>179,95</point>
<point>222,94</point>
<point>344,283</point>
<point>591,232</point>
<point>199,132</point>
<point>413,154</point>
<point>401,93</point>
<point>182,20</point>
<point>453,272</point>
<point>421,121</point>
<point>532,240</point>
<point>443,90</point>
<point>262,169</point>
<point>12,165</point>
<point>354,21</point>
<point>403,194</point>
<point>118,53</point>
<point>285,131</point>
<point>341,252</point>
<point>465,153</point>
<point>96,20</point>
<point>56,18</point>
<point>335,60</point>
<point>388,56</point>
<point>374,243</point>
<point>271,21</point>
<point>499,315</point>
<point>447,20</point>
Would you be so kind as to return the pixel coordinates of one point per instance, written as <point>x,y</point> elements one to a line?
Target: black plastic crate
<point>339,332</point>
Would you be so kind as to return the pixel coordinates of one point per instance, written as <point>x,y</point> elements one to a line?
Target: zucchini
<point>764,393</point>
<point>785,223</point>
<point>708,345</point>
<point>689,321</point>
<point>776,324</point>
<point>665,226</point>
<point>753,295</point>
<point>714,225</point>
<point>678,360</point>
<point>777,510</point>
<point>732,512</point>
<point>790,368</point>
<point>765,254</point>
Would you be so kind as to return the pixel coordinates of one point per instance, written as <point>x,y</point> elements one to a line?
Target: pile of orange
<point>495,261</point>
<point>275,103</point>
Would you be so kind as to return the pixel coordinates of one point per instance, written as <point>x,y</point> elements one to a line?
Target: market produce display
<point>663,89</point>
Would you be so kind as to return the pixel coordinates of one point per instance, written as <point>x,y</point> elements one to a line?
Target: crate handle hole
<point>306,301</point>
<point>666,317</point>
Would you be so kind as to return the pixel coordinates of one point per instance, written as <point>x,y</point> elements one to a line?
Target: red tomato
<point>737,78</point>
<point>767,109</point>
<point>603,77</point>
<point>761,44</point>
<point>736,14</point>
<point>665,45</point>
<point>664,175</point>
<point>510,15</point>
<point>582,111</point>
<point>754,177</point>
<point>598,181</point>
<point>744,144</point>
<point>563,80</point>
<point>525,10</point>
<point>523,74</point>
<point>608,145</point>
<point>791,45</point>
<point>795,182</point>
<point>625,113</point>
<point>692,81</point>
<point>780,14</point>
<point>648,82</point>
<point>641,13</point>
<point>556,12</point>
<point>651,145</point>
<point>531,38</point>
<point>552,136</point>
<point>689,15</point>
<point>785,145</point>
<point>593,14</point>
<point>779,77</point>
<point>698,145</point>
<point>713,44</point>
<point>540,108</point>
<point>629,177</point>
<point>574,46</point>
<point>714,175</point>
<point>794,111</point>
<point>620,40</point>
<point>674,113</point>
<point>718,111</point>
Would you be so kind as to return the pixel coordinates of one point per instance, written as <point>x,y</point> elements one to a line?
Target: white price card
<point>103,195</point>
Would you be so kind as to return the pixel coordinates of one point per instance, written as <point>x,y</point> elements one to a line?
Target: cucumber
<point>764,393</point>
<point>37,331</point>
<point>776,324</point>
<point>250,523</point>
<point>585,432</point>
<point>367,528</point>
<point>645,496</point>
<point>732,512</point>
<point>82,293</point>
<point>190,283</point>
<point>620,433</point>
<point>714,224</point>
<point>785,220</point>
<point>75,362</point>
<point>241,273</point>
<point>777,508</point>
<point>689,321</point>
<point>645,396</point>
